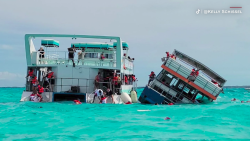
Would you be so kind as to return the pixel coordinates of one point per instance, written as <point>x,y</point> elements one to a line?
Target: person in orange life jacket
<point>151,77</point>
<point>133,77</point>
<point>35,97</point>
<point>77,101</point>
<point>102,57</point>
<point>115,81</point>
<point>192,75</point>
<point>173,56</point>
<point>126,79</point>
<point>30,73</point>
<point>103,100</point>
<point>40,89</point>
<point>168,55</point>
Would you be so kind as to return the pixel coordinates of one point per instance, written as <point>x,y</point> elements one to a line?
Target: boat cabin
<point>178,83</point>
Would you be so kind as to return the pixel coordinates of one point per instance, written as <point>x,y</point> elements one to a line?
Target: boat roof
<point>200,66</point>
<point>50,43</point>
<point>124,44</point>
<point>92,45</point>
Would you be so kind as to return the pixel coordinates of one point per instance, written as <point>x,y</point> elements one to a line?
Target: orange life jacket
<point>31,73</point>
<point>168,54</point>
<point>193,72</point>
<point>40,89</point>
<point>115,80</point>
<point>196,73</point>
<point>50,74</point>
<point>126,79</point>
<point>133,78</point>
<point>33,81</point>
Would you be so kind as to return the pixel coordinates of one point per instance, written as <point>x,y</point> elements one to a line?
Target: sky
<point>220,41</point>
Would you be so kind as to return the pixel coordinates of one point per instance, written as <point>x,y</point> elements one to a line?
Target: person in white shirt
<point>98,93</point>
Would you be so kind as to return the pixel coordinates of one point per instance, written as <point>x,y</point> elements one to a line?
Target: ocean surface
<point>220,120</point>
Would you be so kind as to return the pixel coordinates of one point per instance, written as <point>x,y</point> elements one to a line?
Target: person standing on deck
<point>41,54</point>
<point>97,80</point>
<point>71,54</point>
<point>151,77</point>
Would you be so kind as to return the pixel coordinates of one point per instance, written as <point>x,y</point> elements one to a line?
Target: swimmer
<point>170,103</point>
<point>77,101</point>
<point>248,101</point>
<point>233,99</point>
<point>156,104</point>
<point>242,101</point>
<point>167,118</point>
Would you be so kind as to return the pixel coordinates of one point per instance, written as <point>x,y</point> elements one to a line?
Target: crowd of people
<point>115,80</point>
<point>35,86</point>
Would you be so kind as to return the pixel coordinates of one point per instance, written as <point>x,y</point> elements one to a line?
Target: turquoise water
<point>220,120</point>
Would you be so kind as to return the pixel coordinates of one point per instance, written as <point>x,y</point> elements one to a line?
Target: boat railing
<point>200,80</point>
<point>83,83</point>
<point>61,58</point>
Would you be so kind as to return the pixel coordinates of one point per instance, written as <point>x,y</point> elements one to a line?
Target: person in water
<point>77,101</point>
<point>98,93</point>
<point>234,99</point>
<point>151,77</point>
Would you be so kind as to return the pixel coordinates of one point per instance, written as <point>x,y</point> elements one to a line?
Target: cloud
<point>10,76</point>
<point>6,47</point>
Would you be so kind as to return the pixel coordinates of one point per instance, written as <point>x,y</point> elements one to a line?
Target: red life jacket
<point>172,56</point>
<point>168,54</point>
<point>115,80</point>
<point>40,89</point>
<point>33,81</point>
<point>77,102</point>
<point>193,72</point>
<point>133,78</point>
<point>126,79</point>
<point>196,73</point>
<point>31,73</point>
<point>50,74</point>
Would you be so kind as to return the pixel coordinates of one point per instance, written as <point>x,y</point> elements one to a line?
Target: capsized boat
<point>183,80</point>
<point>66,76</point>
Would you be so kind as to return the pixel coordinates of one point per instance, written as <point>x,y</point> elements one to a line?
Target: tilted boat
<point>75,80</point>
<point>173,84</point>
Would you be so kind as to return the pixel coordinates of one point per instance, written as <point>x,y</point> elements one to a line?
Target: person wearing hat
<point>151,77</point>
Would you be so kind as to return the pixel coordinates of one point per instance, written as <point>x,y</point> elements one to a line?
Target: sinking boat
<point>74,78</point>
<point>174,86</point>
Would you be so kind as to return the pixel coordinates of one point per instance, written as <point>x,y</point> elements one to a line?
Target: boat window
<point>181,85</point>
<point>91,55</point>
<point>173,82</point>
<point>169,75</point>
<point>186,89</point>
<point>156,88</point>
<point>109,56</point>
